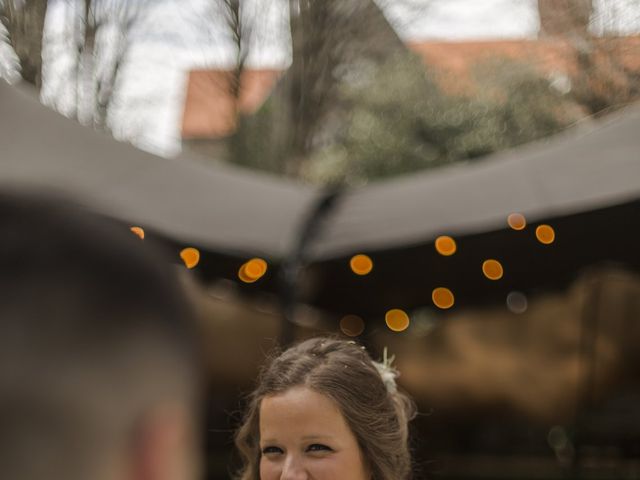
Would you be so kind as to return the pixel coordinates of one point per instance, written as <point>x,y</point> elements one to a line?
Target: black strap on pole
<point>294,262</point>
<point>589,333</point>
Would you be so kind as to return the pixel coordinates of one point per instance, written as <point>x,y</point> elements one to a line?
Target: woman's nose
<point>293,469</point>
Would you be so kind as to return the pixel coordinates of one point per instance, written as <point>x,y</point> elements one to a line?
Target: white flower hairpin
<point>387,372</point>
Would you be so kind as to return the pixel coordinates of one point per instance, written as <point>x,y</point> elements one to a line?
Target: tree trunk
<point>329,38</point>
<point>26,25</point>
<point>567,18</point>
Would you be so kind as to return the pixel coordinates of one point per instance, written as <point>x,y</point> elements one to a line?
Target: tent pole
<point>294,262</point>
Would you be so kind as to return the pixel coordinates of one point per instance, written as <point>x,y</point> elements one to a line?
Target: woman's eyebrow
<point>266,441</point>
<point>317,437</point>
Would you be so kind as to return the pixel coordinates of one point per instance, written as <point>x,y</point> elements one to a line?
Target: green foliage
<point>392,118</point>
<point>402,123</point>
<point>261,140</point>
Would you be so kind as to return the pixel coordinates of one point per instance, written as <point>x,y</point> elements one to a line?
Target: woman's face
<point>303,436</point>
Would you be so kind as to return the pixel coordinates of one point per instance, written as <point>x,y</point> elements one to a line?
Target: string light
<point>517,302</point>
<point>256,268</point>
<point>445,245</point>
<point>352,325</point>
<point>517,221</point>
<point>492,269</point>
<point>242,275</point>
<point>361,264</point>
<point>138,231</point>
<point>190,256</point>
<point>253,270</point>
<point>442,298</point>
<point>545,234</point>
<point>397,320</point>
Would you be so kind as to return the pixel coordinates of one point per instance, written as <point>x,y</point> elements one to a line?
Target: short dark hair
<point>94,328</point>
<point>344,372</point>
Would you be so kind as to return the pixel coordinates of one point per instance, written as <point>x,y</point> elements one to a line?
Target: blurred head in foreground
<point>324,410</point>
<point>97,370</point>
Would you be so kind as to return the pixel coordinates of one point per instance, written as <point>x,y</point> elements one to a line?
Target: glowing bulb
<point>545,234</point>
<point>442,298</point>
<point>242,274</point>
<point>190,256</point>
<point>517,221</point>
<point>352,325</point>
<point>445,245</point>
<point>255,268</point>
<point>397,320</point>
<point>517,302</point>
<point>361,264</point>
<point>138,231</point>
<point>492,269</point>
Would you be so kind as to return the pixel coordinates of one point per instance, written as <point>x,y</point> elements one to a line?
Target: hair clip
<point>387,372</point>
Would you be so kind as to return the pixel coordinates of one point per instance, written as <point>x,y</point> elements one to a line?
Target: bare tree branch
<point>97,73</point>
<point>24,20</point>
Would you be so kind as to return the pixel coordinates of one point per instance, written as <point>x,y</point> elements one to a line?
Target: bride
<point>324,410</point>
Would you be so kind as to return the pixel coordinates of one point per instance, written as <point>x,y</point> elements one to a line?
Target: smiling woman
<point>321,410</point>
<point>302,430</point>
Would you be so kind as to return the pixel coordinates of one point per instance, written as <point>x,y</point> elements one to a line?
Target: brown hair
<point>344,372</point>
<point>95,332</point>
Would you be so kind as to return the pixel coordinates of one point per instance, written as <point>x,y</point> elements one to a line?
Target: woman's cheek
<point>324,468</point>
<point>269,470</point>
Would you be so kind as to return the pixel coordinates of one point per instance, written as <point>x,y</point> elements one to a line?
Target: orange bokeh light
<point>517,221</point>
<point>242,275</point>
<point>545,234</point>
<point>492,269</point>
<point>445,245</point>
<point>256,267</point>
<point>442,298</point>
<point>253,270</point>
<point>361,264</point>
<point>138,231</point>
<point>190,256</point>
<point>352,325</point>
<point>397,320</point>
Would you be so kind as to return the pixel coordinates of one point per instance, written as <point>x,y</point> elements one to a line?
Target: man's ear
<point>164,446</point>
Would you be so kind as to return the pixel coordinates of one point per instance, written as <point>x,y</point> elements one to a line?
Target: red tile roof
<point>453,62</point>
<point>211,108</point>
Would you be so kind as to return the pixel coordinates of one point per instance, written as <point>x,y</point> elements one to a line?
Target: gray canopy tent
<point>229,214</point>
<point>585,183</point>
<point>234,214</point>
<point>222,209</point>
<point>588,167</point>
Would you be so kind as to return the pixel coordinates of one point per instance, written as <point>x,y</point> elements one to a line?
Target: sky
<point>178,35</point>
<point>464,19</point>
<point>174,37</point>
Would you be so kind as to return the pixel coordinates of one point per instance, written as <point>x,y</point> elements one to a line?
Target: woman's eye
<point>271,450</point>
<point>318,447</point>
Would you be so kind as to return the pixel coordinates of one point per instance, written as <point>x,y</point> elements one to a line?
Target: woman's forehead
<point>301,412</point>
